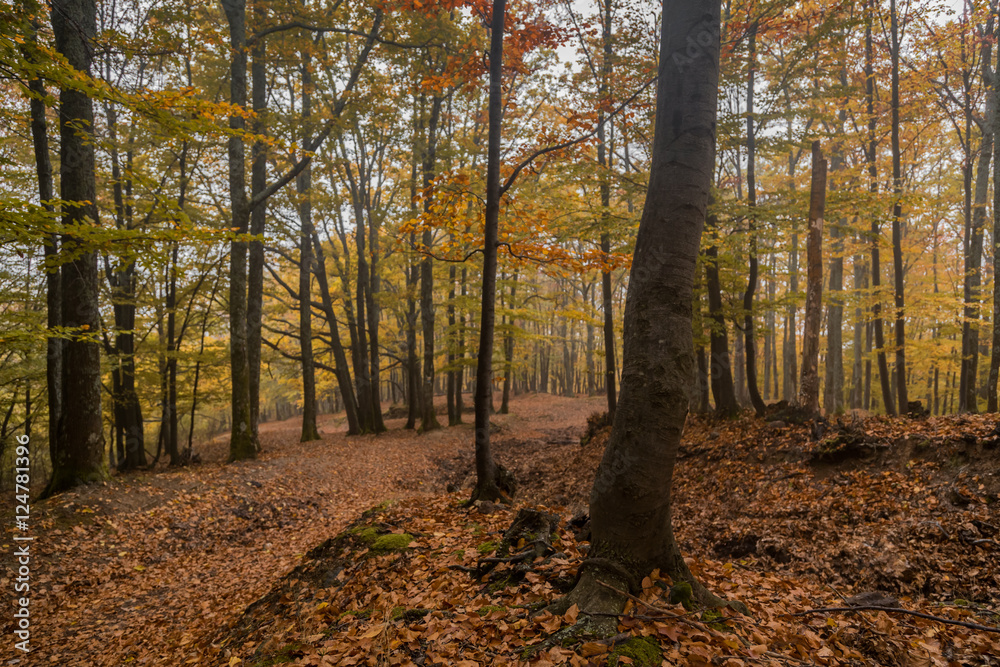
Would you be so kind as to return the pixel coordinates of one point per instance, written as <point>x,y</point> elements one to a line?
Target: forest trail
<point>146,569</point>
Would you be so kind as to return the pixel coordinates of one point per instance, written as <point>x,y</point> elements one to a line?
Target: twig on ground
<point>897,610</point>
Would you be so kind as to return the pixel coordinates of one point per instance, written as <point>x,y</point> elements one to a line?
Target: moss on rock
<point>643,652</point>
<point>391,542</point>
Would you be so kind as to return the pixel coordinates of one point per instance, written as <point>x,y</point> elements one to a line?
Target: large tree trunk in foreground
<point>809,384</point>
<point>79,452</point>
<point>630,501</point>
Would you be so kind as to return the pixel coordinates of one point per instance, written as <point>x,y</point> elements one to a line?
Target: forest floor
<point>272,561</point>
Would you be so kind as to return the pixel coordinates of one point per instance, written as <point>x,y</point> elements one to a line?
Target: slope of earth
<point>784,518</point>
<point>144,569</point>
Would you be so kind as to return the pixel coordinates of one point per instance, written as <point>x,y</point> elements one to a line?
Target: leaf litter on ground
<point>269,562</point>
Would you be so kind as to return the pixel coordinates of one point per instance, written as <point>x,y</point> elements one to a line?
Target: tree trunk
<point>723,389</point>
<point>870,158</point>
<point>991,389</point>
<point>748,323</point>
<point>603,159</point>
<point>974,257</point>
<point>429,421</point>
<point>339,356</point>
<point>488,486</point>
<point>897,219</point>
<point>508,352</point>
<point>243,439</point>
<point>303,186</point>
<point>833,392</point>
<point>79,455</point>
<point>53,275</point>
<point>631,502</point>
<point>809,384</point>
<point>258,217</point>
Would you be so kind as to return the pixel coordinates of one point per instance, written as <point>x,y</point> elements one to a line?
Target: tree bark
<point>723,389</point>
<point>974,257</point>
<point>870,158</point>
<point>750,342</point>
<point>258,218</point>
<point>991,389</point>
<point>79,455</point>
<point>429,421</point>
<point>897,219</point>
<point>53,274</point>
<point>487,472</point>
<point>243,438</point>
<point>339,356</point>
<point>605,163</point>
<point>631,502</point>
<point>303,186</point>
<point>809,384</point>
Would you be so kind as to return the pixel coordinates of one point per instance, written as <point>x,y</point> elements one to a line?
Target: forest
<point>500,332</point>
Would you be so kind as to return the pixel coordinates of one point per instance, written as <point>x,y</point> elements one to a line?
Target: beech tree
<point>79,453</point>
<point>630,501</point>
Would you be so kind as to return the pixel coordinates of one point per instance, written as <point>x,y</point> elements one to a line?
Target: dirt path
<point>146,569</point>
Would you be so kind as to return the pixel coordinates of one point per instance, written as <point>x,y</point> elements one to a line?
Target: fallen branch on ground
<point>897,610</point>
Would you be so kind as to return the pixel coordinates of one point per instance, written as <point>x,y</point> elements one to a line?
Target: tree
<point>809,385</point>
<point>630,502</point>
<point>748,295</point>
<point>897,219</point>
<point>79,455</point>
<point>870,160</point>
<point>488,478</point>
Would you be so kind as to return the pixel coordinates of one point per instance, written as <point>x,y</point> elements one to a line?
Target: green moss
<point>499,585</point>
<point>367,534</point>
<point>643,651</point>
<point>711,618</point>
<point>487,547</point>
<point>372,511</point>
<point>489,609</point>
<point>359,613</point>
<point>680,593</point>
<point>391,542</point>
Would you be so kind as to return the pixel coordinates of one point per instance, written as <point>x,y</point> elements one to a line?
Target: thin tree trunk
<point>973,267</point>
<point>897,219</point>
<point>258,218</point>
<point>340,357</point>
<point>809,384</point>
<point>723,389</point>
<point>429,421</point>
<point>870,157</point>
<point>53,275</point>
<point>488,483</point>
<point>991,390</point>
<point>303,186</point>
<point>750,342</point>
